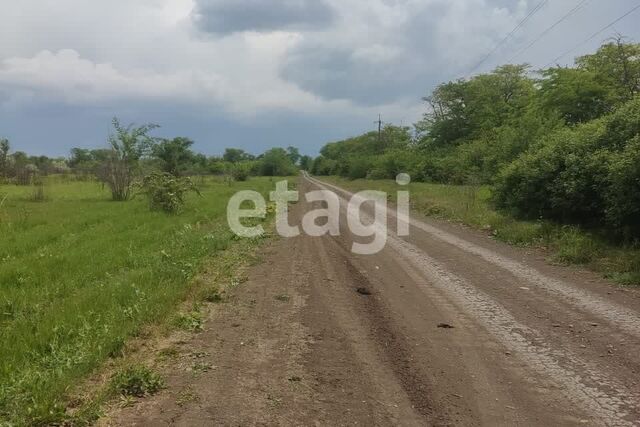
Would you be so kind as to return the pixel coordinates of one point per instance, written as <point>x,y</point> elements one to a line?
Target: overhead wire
<point>549,29</point>
<point>593,36</point>
<point>530,15</point>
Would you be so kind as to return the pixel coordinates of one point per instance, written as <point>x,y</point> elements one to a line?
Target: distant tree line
<point>134,146</point>
<point>23,169</point>
<point>559,143</point>
<point>132,154</point>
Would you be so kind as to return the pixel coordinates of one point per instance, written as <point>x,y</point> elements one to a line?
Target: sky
<point>255,74</point>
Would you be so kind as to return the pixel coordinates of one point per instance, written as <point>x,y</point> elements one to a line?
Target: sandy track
<point>532,344</point>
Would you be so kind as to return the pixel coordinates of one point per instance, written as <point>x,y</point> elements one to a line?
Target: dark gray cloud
<point>336,73</point>
<point>230,16</point>
<point>427,43</point>
<point>402,64</point>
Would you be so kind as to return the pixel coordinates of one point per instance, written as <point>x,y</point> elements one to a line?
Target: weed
<point>624,279</point>
<point>186,396</point>
<point>199,355</point>
<point>192,321</point>
<point>126,401</point>
<point>575,247</point>
<point>213,295</point>
<point>201,367</point>
<point>137,381</point>
<point>168,353</point>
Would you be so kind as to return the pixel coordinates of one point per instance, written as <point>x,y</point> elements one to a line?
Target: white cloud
<point>76,80</point>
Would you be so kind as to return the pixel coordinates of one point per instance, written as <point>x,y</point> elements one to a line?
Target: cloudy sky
<point>259,73</point>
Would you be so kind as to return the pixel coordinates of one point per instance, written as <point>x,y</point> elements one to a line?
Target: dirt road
<point>445,327</point>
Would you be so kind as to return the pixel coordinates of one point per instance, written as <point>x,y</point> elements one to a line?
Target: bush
<point>167,192</point>
<point>623,193</point>
<point>240,172</point>
<point>587,175</point>
<point>276,162</point>
<point>323,166</point>
<point>137,381</point>
<point>358,168</point>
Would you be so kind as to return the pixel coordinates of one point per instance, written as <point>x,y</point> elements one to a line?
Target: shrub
<point>128,146</point>
<point>358,168</point>
<point>137,381</point>
<point>167,192</point>
<point>623,193</point>
<point>240,171</point>
<point>587,175</point>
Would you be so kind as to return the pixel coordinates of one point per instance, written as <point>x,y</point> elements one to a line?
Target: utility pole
<point>379,122</point>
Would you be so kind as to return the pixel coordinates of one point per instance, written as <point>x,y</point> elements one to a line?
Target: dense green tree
<point>294,154</point>
<point>465,109</point>
<point>175,155</point>
<point>617,66</point>
<point>276,162</point>
<point>235,155</point>
<point>80,156</point>
<point>306,163</point>
<point>577,95</point>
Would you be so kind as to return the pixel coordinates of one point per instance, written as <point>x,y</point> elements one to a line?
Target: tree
<point>294,154</point>
<point>617,65</point>
<point>128,145</point>
<point>80,156</point>
<point>175,154</point>
<point>447,119</point>
<point>306,163</point>
<point>465,109</point>
<point>577,95</point>
<point>4,156</point>
<point>276,162</point>
<point>235,155</point>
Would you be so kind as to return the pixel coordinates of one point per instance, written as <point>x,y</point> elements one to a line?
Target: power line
<point>548,30</point>
<point>508,36</point>
<point>596,34</point>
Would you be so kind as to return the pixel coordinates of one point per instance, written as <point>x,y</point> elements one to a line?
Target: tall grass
<point>470,205</point>
<point>80,273</point>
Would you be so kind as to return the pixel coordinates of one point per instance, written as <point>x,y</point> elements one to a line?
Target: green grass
<point>80,274</point>
<point>471,206</point>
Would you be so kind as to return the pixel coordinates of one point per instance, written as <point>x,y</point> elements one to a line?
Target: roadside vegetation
<point>98,246</point>
<point>552,154</point>
<point>81,273</point>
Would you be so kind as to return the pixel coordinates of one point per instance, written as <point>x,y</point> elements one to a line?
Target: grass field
<point>471,206</point>
<point>79,274</point>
